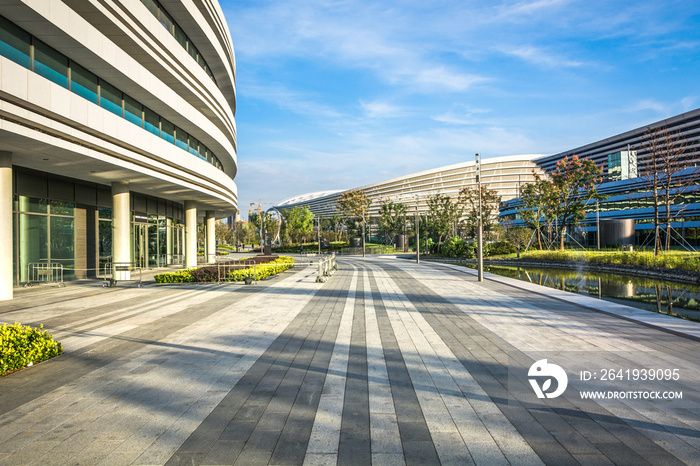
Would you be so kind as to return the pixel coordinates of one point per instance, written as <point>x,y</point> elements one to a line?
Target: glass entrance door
<point>140,253</point>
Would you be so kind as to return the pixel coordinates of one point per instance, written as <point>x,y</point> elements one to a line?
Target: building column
<point>211,237</point>
<point>121,231</point>
<point>190,234</point>
<point>6,225</point>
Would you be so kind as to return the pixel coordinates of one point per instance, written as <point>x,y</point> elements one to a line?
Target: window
<point>151,121</point>
<point>180,138</point>
<point>50,64</point>
<point>152,6</point>
<point>167,130</point>
<point>194,146</point>
<point>180,36</point>
<point>132,111</point>
<point>110,98</point>
<point>83,82</point>
<point>166,21</point>
<point>192,50</point>
<point>14,43</point>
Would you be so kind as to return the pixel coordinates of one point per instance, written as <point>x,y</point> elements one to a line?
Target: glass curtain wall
<point>44,233</point>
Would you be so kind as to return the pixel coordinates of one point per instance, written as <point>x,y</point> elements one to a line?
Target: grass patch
<point>676,260</point>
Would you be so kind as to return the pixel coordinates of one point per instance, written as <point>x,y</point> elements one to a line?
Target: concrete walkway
<point>388,362</point>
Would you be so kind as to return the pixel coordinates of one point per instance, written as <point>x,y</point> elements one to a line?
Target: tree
<point>662,171</point>
<point>490,200</point>
<point>354,205</point>
<point>299,223</point>
<point>574,183</point>
<point>392,218</point>
<point>223,233</point>
<point>519,237</point>
<point>445,213</point>
<point>242,232</point>
<point>537,198</point>
<point>269,224</point>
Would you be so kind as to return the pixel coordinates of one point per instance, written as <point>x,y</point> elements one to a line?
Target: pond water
<point>670,298</point>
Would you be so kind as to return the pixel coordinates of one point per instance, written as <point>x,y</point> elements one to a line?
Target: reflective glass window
<point>194,146</point>
<point>181,138</point>
<point>152,6</point>
<point>63,244</point>
<point>14,43</point>
<point>166,20</point>
<point>104,213</point>
<point>62,208</point>
<point>110,98</point>
<point>50,64</point>
<point>180,36</point>
<point>167,130</point>
<point>83,82</point>
<point>192,49</point>
<point>32,204</point>
<point>151,121</point>
<point>132,110</point>
<point>203,151</point>
<point>33,242</point>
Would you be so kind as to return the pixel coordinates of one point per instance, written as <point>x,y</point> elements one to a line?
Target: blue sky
<point>339,94</point>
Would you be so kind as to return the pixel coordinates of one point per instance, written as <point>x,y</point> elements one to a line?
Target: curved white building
<point>505,175</point>
<point>117,133</point>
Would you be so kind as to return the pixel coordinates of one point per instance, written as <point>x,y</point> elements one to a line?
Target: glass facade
<point>176,31</point>
<point>44,231</point>
<point>17,45</point>
<point>50,64</point>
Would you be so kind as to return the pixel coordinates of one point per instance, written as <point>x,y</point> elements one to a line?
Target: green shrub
<point>21,346</point>
<point>181,276</point>
<point>685,261</point>
<point>453,247</point>
<point>500,248</point>
<point>211,273</point>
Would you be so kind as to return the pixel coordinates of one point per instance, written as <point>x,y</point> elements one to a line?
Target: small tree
<point>392,218</point>
<point>574,183</point>
<point>299,223</point>
<point>354,205</point>
<point>667,158</point>
<point>519,237</point>
<point>444,213</point>
<point>537,198</point>
<point>490,200</point>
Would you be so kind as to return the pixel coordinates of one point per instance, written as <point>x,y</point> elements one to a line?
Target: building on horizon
<point>117,133</point>
<point>622,158</point>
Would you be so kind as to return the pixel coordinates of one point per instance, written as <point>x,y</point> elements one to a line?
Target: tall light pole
<point>363,231</point>
<point>319,235</point>
<point>417,234</point>
<point>480,225</point>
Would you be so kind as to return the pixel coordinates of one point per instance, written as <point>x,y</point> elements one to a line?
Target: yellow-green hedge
<point>268,269</point>
<point>676,261</point>
<point>21,346</point>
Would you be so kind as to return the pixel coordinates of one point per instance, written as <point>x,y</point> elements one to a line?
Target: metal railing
<point>225,270</point>
<point>326,267</point>
<point>121,272</point>
<point>44,272</point>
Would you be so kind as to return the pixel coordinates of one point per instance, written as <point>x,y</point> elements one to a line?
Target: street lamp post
<point>319,235</point>
<point>363,231</point>
<point>480,225</point>
<point>417,234</point>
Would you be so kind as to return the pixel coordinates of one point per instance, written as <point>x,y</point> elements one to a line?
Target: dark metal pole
<point>417,234</point>
<point>480,226</point>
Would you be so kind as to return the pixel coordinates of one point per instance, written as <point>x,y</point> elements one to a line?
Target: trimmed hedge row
<point>689,262</point>
<point>211,274</point>
<point>22,346</point>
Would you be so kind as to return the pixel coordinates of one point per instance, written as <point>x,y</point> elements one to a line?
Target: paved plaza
<point>387,363</point>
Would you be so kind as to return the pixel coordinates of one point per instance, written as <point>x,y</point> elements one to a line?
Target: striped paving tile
<point>386,363</point>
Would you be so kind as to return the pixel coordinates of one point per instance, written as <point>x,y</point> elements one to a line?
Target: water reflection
<point>658,296</point>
